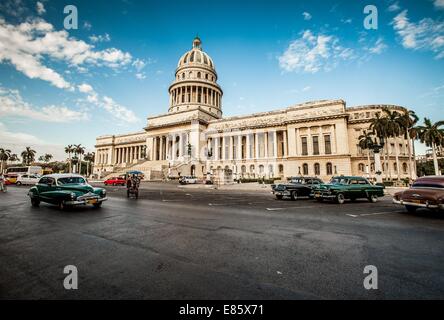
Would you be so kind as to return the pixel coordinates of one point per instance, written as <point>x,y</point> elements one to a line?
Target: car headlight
<point>103,193</point>
<point>73,195</point>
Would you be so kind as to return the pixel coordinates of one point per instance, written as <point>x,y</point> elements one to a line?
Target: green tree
<point>89,158</point>
<point>79,150</point>
<point>5,155</point>
<point>69,150</point>
<point>432,136</point>
<point>408,122</point>
<point>366,143</point>
<point>28,156</point>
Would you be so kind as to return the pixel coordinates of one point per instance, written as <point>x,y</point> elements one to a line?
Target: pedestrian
<point>2,182</point>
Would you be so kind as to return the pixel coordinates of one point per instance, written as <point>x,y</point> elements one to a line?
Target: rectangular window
<point>315,145</point>
<point>304,146</point>
<point>327,142</point>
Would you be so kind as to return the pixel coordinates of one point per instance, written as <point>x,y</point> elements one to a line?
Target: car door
<point>45,187</point>
<point>354,189</point>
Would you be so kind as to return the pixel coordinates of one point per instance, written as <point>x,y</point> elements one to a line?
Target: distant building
<point>317,138</point>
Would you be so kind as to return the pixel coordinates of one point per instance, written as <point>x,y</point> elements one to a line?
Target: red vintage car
<point>115,181</point>
<point>426,192</point>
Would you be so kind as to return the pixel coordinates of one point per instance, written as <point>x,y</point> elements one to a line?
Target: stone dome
<point>195,56</point>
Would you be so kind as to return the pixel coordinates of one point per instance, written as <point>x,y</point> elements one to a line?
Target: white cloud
<point>139,64</point>
<point>394,7</point>
<point>85,88</point>
<point>312,53</point>
<point>379,47</point>
<point>27,45</point>
<point>427,34</point>
<point>18,141</point>
<point>100,38</point>
<point>12,104</point>
<point>108,104</point>
<point>141,76</point>
<point>439,4</point>
<point>307,88</point>
<point>40,8</point>
<point>307,16</point>
<point>87,25</point>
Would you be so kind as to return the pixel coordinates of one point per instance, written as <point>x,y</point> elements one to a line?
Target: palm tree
<point>431,134</point>
<point>393,130</point>
<point>5,155</point>
<point>89,158</point>
<point>47,157</point>
<point>28,156</point>
<point>79,150</point>
<point>69,150</point>
<point>366,143</point>
<point>379,126</point>
<point>408,121</point>
<point>14,158</point>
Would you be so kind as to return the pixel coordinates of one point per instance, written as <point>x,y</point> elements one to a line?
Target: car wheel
<point>411,209</point>
<point>18,183</point>
<point>62,206</point>
<point>279,197</point>
<point>114,184</point>
<point>97,205</point>
<point>35,202</point>
<point>294,195</point>
<point>373,198</point>
<point>340,198</point>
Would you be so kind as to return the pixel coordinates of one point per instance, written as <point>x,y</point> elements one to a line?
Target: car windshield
<point>70,180</point>
<point>295,180</point>
<point>339,181</point>
<point>427,185</point>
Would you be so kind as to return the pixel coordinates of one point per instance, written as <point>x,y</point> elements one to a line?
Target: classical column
<point>230,151</point>
<point>239,147</point>
<point>174,147</point>
<point>223,147</point>
<point>256,145</point>
<point>275,144</point>
<point>216,148</point>
<point>247,147</point>
<point>266,144</point>
<point>285,153</point>
<point>181,144</point>
<point>161,148</point>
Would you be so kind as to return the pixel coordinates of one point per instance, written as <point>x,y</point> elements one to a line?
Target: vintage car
<point>296,188</point>
<point>66,190</point>
<point>27,179</point>
<point>188,180</point>
<point>426,192</point>
<point>348,187</point>
<point>115,181</point>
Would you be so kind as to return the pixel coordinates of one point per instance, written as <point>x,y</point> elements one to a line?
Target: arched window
<point>206,76</point>
<point>261,169</point>
<point>317,169</point>
<point>193,170</point>
<point>270,170</point>
<point>395,167</point>
<point>361,167</point>
<point>281,168</point>
<point>183,75</point>
<point>252,168</point>
<point>198,75</point>
<point>329,169</point>
<point>305,169</point>
<point>404,167</point>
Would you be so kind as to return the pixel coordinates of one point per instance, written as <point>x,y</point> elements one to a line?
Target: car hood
<point>80,188</point>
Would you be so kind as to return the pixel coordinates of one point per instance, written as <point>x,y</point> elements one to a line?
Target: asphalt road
<point>186,243</point>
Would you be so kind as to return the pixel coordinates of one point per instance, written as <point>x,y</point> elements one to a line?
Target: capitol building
<point>318,138</point>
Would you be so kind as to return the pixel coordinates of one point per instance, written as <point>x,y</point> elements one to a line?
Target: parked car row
<point>426,192</point>
<point>339,189</point>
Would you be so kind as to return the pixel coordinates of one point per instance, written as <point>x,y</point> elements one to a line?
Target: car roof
<point>62,175</point>
<point>433,179</point>
<point>349,177</point>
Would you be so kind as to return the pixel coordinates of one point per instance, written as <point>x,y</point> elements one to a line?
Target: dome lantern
<point>197,43</point>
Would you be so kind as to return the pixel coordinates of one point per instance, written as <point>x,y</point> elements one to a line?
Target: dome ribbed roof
<point>196,56</point>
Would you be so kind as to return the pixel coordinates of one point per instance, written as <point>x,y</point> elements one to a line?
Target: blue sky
<point>60,87</point>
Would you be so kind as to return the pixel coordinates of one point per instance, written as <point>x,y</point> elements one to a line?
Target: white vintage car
<point>27,179</point>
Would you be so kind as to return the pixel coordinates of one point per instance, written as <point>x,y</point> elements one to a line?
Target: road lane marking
<point>370,214</point>
<point>303,207</point>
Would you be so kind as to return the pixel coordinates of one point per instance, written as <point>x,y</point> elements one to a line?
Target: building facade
<point>319,138</point>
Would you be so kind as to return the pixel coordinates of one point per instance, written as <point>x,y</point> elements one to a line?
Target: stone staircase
<point>152,170</point>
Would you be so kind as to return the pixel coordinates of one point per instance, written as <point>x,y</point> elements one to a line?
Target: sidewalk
<point>253,186</point>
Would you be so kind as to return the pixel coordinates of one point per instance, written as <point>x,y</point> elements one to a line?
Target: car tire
<point>114,184</point>
<point>410,209</point>
<point>340,198</point>
<point>294,195</point>
<point>62,206</point>
<point>279,197</point>
<point>97,205</point>
<point>35,202</point>
<point>18,183</point>
<point>373,198</point>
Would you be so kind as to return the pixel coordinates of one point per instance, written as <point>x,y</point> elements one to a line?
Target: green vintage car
<point>348,187</point>
<point>66,190</point>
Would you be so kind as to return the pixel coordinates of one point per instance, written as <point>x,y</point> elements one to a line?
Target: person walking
<point>3,187</point>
